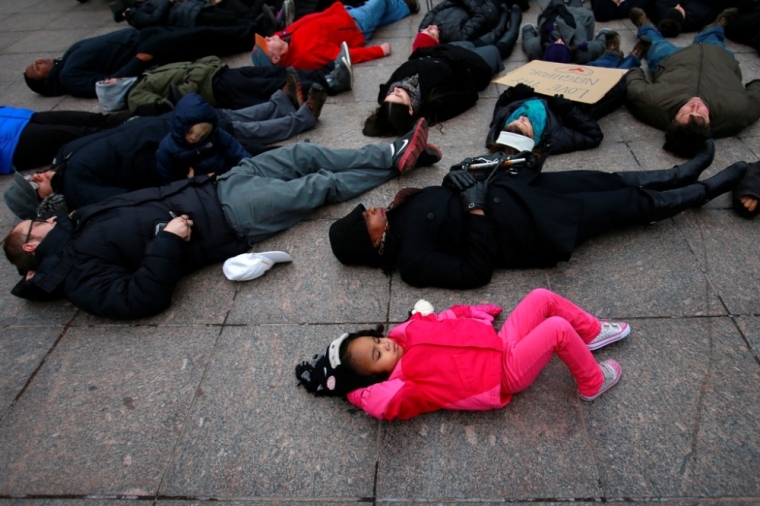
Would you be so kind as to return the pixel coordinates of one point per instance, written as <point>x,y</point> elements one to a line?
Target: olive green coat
<point>189,77</point>
<point>700,70</point>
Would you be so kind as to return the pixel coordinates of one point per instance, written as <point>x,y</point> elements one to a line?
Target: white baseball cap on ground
<point>252,265</point>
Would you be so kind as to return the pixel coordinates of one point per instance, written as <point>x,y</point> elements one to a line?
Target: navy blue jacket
<point>108,260</point>
<point>217,153</point>
<point>92,60</point>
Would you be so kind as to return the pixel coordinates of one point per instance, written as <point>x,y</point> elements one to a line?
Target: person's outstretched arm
<point>579,130</point>
<point>642,101</point>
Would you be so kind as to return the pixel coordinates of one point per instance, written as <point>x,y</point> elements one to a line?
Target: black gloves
<point>521,91</point>
<point>459,180</point>
<point>472,192</point>
<point>560,105</point>
<point>518,92</point>
<point>474,197</point>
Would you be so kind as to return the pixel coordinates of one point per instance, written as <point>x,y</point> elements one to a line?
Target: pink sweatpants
<point>544,323</point>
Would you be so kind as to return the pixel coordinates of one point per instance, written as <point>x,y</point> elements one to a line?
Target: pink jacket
<point>451,361</point>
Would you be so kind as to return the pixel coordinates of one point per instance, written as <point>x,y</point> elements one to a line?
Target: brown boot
<point>613,42</point>
<point>638,17</point>
<point>317,98</point>
<point>725,18</point>
<point>641,48</point>
<point>292,87</point>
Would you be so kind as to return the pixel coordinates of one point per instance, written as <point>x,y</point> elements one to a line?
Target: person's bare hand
<point>180,226</point>
<point>30,275</point>
<point>750,203</point>
<point>144,56</point>
<point>190,172</point>
<point>386,47</point>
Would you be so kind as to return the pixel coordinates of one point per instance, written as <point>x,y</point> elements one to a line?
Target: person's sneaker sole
<point>619,374</point>
<point>347,61</point>
<point>418,142</point>
<point>611,339</point>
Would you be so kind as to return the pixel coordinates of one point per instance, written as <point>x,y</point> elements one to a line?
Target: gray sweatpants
<point>272,121</point>
<point>275,190</point>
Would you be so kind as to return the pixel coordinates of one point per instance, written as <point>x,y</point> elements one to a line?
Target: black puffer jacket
<point>165,13</point>
<point>110,163</point>
<point>450,78</point>
<point>109,261</point>
<point>92,60</point>
<point>573,131</point>
<point>462,19</point>
<point>698,12</point>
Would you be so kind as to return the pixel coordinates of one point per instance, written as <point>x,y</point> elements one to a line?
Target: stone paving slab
<point>252,433</point>
<point>671,427</point>
<point>106,409</point>
<point>20,355</point>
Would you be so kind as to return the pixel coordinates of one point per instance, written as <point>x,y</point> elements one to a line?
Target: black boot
<point>678,176</point>
<point>491,37</point>
<point>669,203</point>
<point>506,43</point>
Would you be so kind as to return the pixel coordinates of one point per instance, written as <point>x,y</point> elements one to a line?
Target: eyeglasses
<point>31,226</point>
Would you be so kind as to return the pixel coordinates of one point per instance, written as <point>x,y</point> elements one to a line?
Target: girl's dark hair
<point>347,360</point>
<point>389,119</point>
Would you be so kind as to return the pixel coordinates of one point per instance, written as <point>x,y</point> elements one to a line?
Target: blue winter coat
<point>92,60</point>
<point>217,153</point>
<point>12,123</point>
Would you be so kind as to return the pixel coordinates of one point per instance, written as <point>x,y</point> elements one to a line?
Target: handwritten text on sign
<point>576,82</point>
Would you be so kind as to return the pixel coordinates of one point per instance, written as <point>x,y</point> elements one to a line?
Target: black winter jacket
<point>462,19</point>
<point>573,131</point>
<point>108,260</point>
<point>92,60</point>
<point>432,242</point>
<point>698,12</point>
<point>450,79</point>
<point>165,13</point>
<point>116,161</point>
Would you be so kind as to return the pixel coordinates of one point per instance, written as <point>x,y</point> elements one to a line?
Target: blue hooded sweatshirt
<point>217,153</point>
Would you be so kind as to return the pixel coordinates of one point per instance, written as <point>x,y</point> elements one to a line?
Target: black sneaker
<point>342,76</point>
<point>316,100</point>
<point>118,8</point>
<point>429,156</point>
<point>407,149</point>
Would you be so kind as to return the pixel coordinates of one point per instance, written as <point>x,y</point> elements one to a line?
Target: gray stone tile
<point>16,311</point>
<point>202,298</point>
<point>724,245</point>
<point>637,272</point>
<point>79,19</point>
<point>680,419</point>
<point>608,157</point>
<point>21,352</point>
<point>9,38</point>
<point>108,408</point>
<point>315,287</point>
<point>62,502</point>
<point>27,21</point>
<point>12,67</point>
<point>535,447</point>
<point>49,43</point>
<point>252,433</point>
<point>19,95</point>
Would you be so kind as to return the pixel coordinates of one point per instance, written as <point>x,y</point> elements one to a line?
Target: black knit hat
<point>350,240</point>
<point>324,375</point>
<point>670,24</point>
<point>21,197</point>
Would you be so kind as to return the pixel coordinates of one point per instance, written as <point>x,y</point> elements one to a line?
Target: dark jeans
<point>247,86</point>
<point>47,132</point>
<point>608,202</point>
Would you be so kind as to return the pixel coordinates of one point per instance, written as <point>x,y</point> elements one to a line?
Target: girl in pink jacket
<point>456,360</point>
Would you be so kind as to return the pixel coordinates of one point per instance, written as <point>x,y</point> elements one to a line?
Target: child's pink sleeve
<point>483,312</point>
<point>374,399</point>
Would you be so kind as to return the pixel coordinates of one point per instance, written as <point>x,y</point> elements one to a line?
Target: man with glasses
<point>123,257</point>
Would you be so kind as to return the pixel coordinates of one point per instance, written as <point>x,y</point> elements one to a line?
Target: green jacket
<point>189,77</point>
<point>700,70</point>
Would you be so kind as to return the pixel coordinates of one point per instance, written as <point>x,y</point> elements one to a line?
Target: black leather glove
<point>459,180</point>
<point>560,105</point>
<point>474,197</point>
<point>521,91</point>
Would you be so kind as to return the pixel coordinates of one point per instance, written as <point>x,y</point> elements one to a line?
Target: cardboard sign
<point>578,83</point>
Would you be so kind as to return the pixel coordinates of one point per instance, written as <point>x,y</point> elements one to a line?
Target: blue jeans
<point>662,48</point>
<point>612,60</point>
<point>377,13</point>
